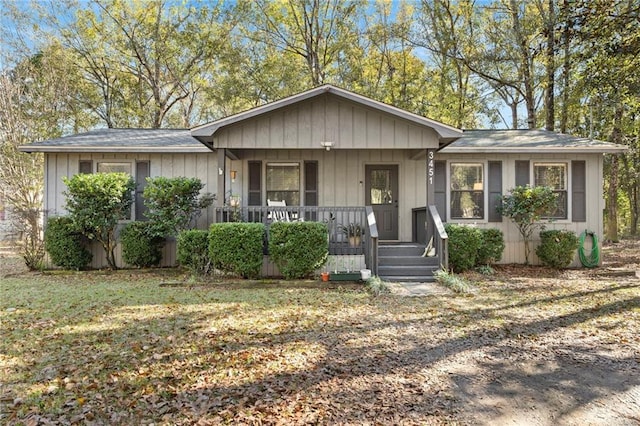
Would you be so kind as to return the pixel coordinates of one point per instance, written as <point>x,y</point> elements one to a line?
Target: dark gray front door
<point>381,186</point>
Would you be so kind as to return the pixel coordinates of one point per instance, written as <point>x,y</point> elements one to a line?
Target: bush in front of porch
<point>298,248</point>
<point>237,248</point>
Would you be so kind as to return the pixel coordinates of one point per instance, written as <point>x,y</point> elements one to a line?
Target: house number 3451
<point>430,168</point>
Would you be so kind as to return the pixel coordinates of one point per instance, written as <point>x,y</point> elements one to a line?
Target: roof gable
<point>445,133</point>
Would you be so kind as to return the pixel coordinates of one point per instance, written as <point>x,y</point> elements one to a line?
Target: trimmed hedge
<point>193,251</point>
<point>66,247</point>
<point>464,243</point>
<point>298,248</point>
<point>491,246</point>
<point>139,245</point>
<point>557,248</point>
<point>237,248</point>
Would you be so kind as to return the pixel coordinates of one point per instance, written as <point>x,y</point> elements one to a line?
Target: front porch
<point>353,235</point>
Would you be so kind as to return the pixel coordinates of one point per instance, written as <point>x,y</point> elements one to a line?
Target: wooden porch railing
<point>334,217</point>
<point>440,237</point>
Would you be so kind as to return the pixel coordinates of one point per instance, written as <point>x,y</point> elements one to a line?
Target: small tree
<point>96,202</point>
<point>526,206</point>
<point>174,203</point>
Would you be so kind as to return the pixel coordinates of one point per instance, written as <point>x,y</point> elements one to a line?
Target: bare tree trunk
<point>612,192</point>
<point>549,92</point>
<point>566,66</point>
<point>526,66</point>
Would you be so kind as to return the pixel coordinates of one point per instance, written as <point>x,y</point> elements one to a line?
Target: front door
<point>381,186</point>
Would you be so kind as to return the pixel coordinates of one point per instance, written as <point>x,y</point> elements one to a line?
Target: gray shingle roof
<point>180,140</point>
<point>527,141</point>
<point>122,140</point>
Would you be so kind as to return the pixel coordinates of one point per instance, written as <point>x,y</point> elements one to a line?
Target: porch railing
<point>441,239</point>
<point>334,217</point>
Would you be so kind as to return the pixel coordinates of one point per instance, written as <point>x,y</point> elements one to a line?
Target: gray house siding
<point>589,171</point>
<point>326,118</point>
<point>58,165</point>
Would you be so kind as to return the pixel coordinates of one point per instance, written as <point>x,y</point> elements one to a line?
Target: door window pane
<point>283,182</point>
<point>381,192</point>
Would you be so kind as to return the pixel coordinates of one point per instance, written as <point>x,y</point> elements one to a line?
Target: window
<point>553,175</point>
<point>283,182</point>
<point>467,190</point>
<point>114,168</point>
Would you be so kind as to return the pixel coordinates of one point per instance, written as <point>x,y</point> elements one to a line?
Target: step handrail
<point>371,241</point>
<point>441,237</point>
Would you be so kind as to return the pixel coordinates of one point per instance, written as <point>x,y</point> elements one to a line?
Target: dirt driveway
<point>578,366</point>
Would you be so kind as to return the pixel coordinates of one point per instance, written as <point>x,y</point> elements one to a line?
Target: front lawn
<point>123,349</point>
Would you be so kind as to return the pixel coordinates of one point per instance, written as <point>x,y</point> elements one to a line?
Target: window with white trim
<point>466,190</point>
<point>283,182</point>
<point>554,176</point>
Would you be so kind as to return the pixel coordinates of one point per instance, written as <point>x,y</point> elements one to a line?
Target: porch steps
<point>404,262</point>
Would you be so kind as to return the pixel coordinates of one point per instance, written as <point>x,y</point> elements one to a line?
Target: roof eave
<point>113,149</point>
<point>538,150</point>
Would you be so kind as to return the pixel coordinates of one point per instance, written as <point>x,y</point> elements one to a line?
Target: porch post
<point>431,195</point>
<point>221,192</point>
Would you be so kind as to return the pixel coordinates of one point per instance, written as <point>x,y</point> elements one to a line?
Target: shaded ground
<point>531,346</point>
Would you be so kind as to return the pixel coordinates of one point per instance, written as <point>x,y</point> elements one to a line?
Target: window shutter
<point>440,188</point>
<point>85,167</point>
<point>310,183</point>
<point>142,173</point>
<point>522,172</point>
<point>578,191</point>
<point>495,190</point>
<point>255,183</point>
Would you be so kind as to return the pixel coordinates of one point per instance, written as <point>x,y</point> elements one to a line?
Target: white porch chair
<point>280,215</point>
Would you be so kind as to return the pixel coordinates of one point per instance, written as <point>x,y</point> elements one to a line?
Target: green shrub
<point>96,203</point>
<point>557,248</point>
<point>298,248</point>
<point>66,246</point>
<point>174,204</point>
<point>139,245</point>
<point>491,246</point>
<point>192,251</point>
<point>464,243</point>
<point>237,248</point>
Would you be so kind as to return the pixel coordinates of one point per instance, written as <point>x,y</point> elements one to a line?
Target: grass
<point>123,349</point>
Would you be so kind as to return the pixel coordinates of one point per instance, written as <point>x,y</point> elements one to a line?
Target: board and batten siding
<point>512,170</point>
<point>306,124</point>
<point>341,177</point>
<point>200,165</point>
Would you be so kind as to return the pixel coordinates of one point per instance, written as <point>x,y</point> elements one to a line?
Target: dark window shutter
<point>578,191</point>
<point>85,167</point>
<point>522,172</point>
<point>142,173</point>
<point>495,190</point>
<point>310,183</point>
<point>255,183</point>
<point>440,188</point>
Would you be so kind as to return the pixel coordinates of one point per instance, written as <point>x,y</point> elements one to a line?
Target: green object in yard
<point>593,258</point>
<point>344,276</point>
